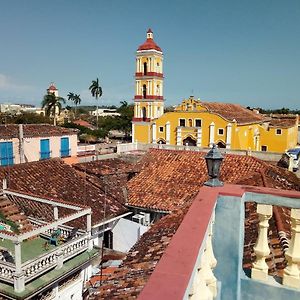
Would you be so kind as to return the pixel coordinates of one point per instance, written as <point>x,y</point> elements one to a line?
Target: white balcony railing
<point>54,258</point>
<point>7,271</point>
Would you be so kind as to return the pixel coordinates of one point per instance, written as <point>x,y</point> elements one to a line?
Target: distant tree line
<point>282,110</point>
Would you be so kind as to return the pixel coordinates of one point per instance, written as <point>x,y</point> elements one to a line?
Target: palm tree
<point>75,98</point>
<point>96,91</point>
<point>52,105</point>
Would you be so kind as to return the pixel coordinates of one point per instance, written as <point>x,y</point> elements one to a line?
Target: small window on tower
<point>161,129</point>
<point>145,68</point>
<point>182,122</point>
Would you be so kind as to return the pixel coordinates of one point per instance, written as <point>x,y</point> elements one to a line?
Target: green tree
<point>53,106</point>
<point>125,118</point>
<point>75,98</point>
<point>96,91</point>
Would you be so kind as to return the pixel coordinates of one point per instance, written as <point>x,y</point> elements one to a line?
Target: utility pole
<point>21,143</point>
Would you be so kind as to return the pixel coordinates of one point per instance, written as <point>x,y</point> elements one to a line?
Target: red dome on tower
<point>149,43</point>
<point>52,87</point>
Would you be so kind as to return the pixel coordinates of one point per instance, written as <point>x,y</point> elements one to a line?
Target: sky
<point>245,52</point>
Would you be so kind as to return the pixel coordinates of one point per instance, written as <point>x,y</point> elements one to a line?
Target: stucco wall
<point>228,241</point>
<point>253,289</point>
<point>126,233</point>
<point>32,147</point>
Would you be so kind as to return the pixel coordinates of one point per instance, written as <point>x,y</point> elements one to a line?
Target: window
<point>64,147</point>
<point>161,129</point>
<point>220,131</point>
<point>182,122</point>
<point>144,90</point>
<point>44,149</point>
<point>197,123</point>
<point>264,148</point>
<point>278,131</point>
<point>145,68</point>
<point>6,153</point>
<point>190,123</point>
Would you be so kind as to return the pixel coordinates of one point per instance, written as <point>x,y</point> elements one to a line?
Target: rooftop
<point>34,130</point>
<point>61,182</point>
<point>169,178</point>
<point>162,264</point>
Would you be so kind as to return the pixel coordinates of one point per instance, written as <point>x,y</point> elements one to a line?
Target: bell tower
<point>148,99</point>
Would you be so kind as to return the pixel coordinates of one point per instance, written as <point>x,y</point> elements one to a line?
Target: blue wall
<point>228,241</point>
<point>253,289</point>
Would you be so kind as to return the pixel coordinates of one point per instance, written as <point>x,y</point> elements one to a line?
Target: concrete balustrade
<point>261,248</point>
<point>204,285</point>
<point>291,275</point>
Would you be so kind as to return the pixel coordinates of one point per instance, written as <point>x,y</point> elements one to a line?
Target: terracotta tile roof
<point>233,112</point>
<point>106,167</point>
<point>149,44</point>
<point>34,130</point>
<point>52,178</point>
<point>111,175</point>
<point>283,121</point>
<point>13,213</point>
<point>85,124</point>
<point>130,278</point>
<point>170,177</point>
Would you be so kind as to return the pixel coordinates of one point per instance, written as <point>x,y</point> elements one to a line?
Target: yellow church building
<point>198,123</point>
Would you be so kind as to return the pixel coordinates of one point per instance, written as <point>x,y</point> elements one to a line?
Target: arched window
<point>157,90</point>
<point>189,141</point>
<point>221,144</point>
<point>144,113</point>
<point>144,90</point>
<point>145,68</point>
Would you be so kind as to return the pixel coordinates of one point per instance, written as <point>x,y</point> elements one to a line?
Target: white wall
<point>72,291</point>
<point>126,233</point>
<point>32,147</point>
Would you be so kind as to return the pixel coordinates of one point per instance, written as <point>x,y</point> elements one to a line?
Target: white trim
<point>111,220</point>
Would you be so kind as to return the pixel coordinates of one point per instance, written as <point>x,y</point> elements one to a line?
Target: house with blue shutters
<point>33,142</point>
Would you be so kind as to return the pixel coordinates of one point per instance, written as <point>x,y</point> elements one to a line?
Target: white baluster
<point>261,248</point>
<point>291,276</point>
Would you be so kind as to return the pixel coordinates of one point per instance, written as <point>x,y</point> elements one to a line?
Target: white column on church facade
<point>168,133</point>
<point>133,133</point>
<point>178,136</point>
<point>211,133</point>
<point>199,137</point>
<point>228,135</point>
<point>154,133</point>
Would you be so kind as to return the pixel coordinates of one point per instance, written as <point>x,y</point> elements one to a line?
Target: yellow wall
<point>243,136</point>
<point>279,142</point>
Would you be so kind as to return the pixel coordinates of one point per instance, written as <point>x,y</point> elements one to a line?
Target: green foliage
<point>24,118</point>
<point>13,226</point>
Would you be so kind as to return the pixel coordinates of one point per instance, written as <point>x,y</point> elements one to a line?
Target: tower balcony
<point>149,74</point>
<point>148,97</point>
<point>210,255</point>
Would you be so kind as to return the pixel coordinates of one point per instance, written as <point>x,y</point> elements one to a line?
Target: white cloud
<point>8,84</point>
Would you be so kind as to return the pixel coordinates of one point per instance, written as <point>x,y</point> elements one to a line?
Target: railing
<point>7,271</point>
<point>204,282</point>
<point>291,275</point>
<point>54,258</point>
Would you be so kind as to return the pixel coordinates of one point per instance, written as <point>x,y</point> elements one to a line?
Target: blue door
<point>6,153</point>
<point>45,149</point>
<point>64,147</point>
